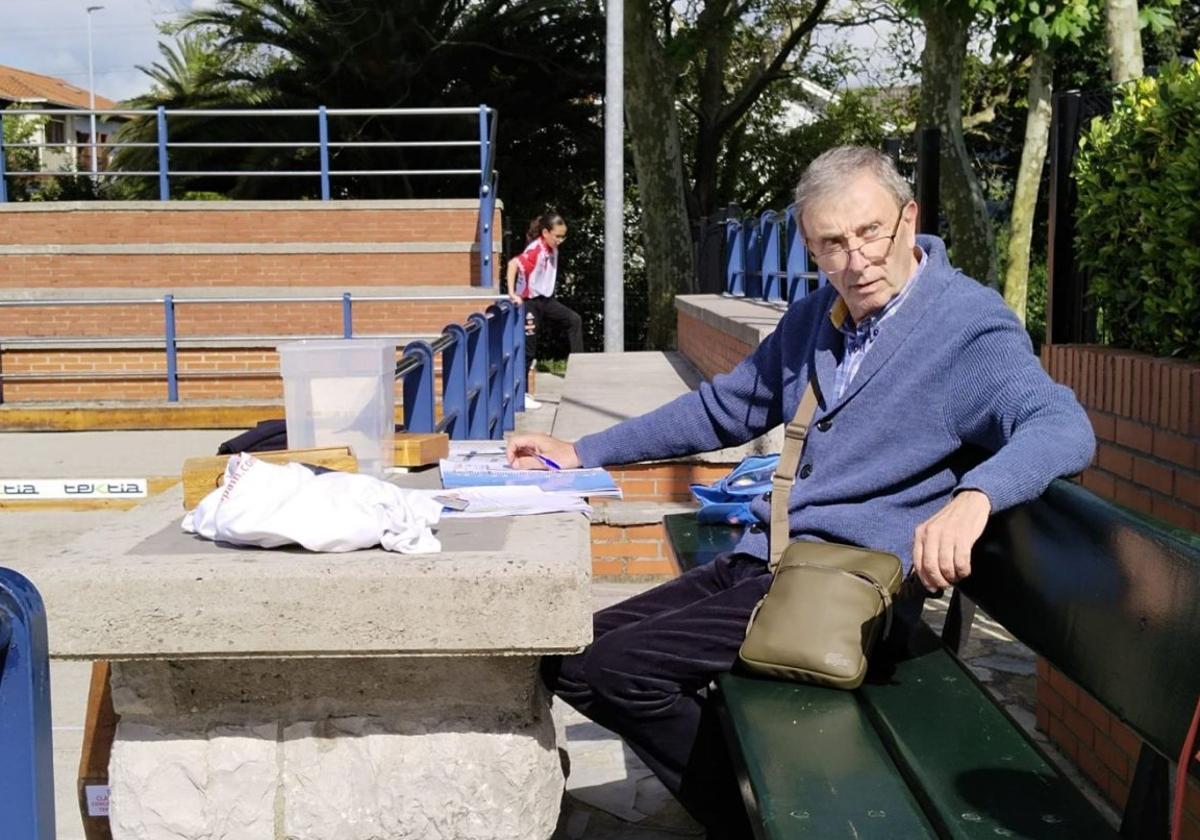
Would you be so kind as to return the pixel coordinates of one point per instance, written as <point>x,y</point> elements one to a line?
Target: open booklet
<point>478,502</point>
<point>484,464</point>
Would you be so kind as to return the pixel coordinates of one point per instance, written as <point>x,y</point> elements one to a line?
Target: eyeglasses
<point>873,250</point>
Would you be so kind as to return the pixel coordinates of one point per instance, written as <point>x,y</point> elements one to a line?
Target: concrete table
<point>366,696</point>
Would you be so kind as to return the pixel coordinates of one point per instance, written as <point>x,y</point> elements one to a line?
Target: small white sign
<point>97,800</point>
<point>72,488</point>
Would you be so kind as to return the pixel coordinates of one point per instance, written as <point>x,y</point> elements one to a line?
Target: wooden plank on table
<point>99,727</point>
<point>416,449</point>
<point>16,418</point>
<point>202,475</point>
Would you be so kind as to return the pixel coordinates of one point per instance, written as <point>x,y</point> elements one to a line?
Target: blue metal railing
<point>483,361</point>
<point>765,257</point>
<point>26,751</point>
<point>483,376</point>
<point>486,142</point>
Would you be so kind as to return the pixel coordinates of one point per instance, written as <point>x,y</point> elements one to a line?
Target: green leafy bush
<point>1138,215</point>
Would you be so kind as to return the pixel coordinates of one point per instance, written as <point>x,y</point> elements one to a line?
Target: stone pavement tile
<point>549,394</point>
<point>611,794</point>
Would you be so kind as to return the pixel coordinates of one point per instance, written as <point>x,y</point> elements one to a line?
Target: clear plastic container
<point>341,392</point>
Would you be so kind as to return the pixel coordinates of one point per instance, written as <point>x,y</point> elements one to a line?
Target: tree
<point>658,162</point>
<point>709,62</point>
<point>19,130</point>
<point>1041,30</point>
<point>1124,39</point>
<point>537,61</point>
<point>947,31</point>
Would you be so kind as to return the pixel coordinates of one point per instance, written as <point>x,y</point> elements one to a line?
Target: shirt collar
<point>839,313</point>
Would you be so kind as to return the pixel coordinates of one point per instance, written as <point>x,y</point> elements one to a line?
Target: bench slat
<point>694,544</point>
<point>980,776</point>
<point>1108,597</point>
<point>815,764</point>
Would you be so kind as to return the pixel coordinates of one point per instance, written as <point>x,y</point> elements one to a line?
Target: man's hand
<point>942,547</point>
<point>515,299</point>
<point>523,448</point>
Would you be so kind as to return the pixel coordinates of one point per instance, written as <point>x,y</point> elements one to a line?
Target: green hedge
<point>1138,214</point>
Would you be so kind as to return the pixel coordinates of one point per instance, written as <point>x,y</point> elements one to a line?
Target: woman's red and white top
<point>537,270</point>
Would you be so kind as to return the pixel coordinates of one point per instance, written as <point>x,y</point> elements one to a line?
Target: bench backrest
<point>1109,598</point>
<point>26,772</point>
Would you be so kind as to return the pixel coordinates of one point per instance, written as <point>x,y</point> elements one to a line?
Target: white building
<point>68,136</point>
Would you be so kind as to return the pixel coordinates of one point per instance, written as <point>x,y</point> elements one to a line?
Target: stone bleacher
<point>602,389</point>
<point>278,250</point>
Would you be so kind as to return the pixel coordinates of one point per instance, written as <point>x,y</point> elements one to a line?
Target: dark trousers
<point>645,676</point>
<point>548,311</point>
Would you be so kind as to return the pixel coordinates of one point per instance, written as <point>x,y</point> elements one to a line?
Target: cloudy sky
<point>50,37</point>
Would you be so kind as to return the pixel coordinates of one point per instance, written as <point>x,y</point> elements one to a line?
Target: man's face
<point>862,212</point>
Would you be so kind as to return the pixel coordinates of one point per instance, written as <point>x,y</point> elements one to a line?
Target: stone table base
<point>454,748</point>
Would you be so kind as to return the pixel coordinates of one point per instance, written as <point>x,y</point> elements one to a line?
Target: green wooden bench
<point>1109,598</point>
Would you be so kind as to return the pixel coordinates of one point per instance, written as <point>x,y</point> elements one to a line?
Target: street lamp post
<point>92,92</point>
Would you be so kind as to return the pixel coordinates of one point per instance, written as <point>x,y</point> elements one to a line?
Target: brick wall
<point>665,482</point>
<point>180,271</point>
<point>197,366</point>
<point>147,244</point>
<point>264,318</point>
<point>1103,748</point>
<point>711,350</point>
<point>88,249</point>
<point>631,552</point>
<point>122,223</point>
<point>1146,415</point>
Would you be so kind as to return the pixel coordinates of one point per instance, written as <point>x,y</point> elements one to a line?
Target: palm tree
<point>523,56</point>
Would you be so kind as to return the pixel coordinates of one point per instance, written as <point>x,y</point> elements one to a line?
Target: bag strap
<point>794,436</point>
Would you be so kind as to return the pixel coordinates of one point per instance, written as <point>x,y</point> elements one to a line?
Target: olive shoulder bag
<point>828,603</point>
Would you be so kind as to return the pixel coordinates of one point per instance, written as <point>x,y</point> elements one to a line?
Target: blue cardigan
<point>950,397</point>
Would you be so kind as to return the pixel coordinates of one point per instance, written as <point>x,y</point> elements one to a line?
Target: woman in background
<point>531,276</point>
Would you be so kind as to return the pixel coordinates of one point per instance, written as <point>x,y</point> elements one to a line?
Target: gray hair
<point>830,172</point>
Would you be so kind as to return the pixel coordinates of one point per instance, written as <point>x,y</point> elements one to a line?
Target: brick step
<point>223,244</point>
<point>274,312</point>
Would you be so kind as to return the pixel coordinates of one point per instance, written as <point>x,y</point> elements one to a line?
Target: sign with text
<point>72,488</point>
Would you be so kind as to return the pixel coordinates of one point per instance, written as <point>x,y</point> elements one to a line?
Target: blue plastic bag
<point>728,500</point>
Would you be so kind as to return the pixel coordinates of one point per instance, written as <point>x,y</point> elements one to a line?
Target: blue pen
<point>547,461</point>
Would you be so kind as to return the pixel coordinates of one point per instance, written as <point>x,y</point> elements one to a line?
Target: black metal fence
<point>1070,317</point>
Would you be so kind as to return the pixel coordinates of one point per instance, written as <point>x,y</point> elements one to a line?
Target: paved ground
<point>610,793</point>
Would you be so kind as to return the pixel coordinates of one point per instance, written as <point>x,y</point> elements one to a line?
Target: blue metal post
<point>347,317</point>
<point>164,182</point>
<point>753,240</point>
<point>323,132</point>
<point>172,360</point>
<point>518,332</point>
<point>26,772</point>
<point>771,275</point>
<point>454,383</point>
<point>3,177</point>
<point>495,381</point>
<point>508,371</point>
<point>477,377</point>
<point>418,389</point>
<point>797,257</point>
<point>735,258</point>
<point>487,201</point>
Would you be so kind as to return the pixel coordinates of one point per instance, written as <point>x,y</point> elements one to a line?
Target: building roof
<point>23,86</point>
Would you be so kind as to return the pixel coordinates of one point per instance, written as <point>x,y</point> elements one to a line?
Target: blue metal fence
<point>26,753</point>
<point>483,361</point>
<point>486,142</point>
<point>765,257</point>
<point>483,376</point>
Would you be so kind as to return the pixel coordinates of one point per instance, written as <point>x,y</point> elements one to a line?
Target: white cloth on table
<point>271,505</point>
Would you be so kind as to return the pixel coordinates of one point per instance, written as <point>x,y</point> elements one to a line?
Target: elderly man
<point>932,414</point>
